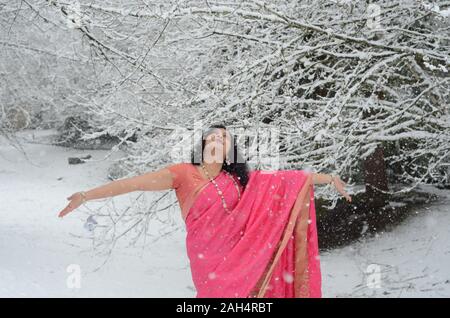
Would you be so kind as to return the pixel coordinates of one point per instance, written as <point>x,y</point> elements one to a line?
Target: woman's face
<point>217,145</point>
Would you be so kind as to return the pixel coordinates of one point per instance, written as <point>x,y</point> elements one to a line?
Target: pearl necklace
<point>224,204</point>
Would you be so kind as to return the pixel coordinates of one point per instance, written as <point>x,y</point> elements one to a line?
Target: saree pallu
<point>265,246</point>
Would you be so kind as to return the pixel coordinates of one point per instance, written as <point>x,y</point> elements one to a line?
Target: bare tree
<point>359,88</point>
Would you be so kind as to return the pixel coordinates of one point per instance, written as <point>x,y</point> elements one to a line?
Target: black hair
<point>237,165</point>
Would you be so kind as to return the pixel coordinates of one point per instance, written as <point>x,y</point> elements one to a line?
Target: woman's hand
<point>76,200</point>
<point>339,185</point>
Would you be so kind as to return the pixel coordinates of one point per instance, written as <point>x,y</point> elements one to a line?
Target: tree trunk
<point>376,178</point>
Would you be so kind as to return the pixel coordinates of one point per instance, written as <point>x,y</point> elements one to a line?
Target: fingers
<point>341,190</point>
<point>345,194</point>
<point>349,199</point>
<point>65,211</point>
<point>62,213</point>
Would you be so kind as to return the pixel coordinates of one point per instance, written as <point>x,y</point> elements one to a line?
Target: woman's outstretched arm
<point>150,181</point>
<point>321,178</point>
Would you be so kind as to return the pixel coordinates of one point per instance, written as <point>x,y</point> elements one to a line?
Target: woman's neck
<point>213,168</point>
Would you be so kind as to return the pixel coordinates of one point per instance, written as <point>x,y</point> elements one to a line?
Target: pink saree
<point>266,246</point>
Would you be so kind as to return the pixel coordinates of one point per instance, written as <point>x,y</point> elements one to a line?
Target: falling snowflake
<point>288,277</point>
<point>212,275</point>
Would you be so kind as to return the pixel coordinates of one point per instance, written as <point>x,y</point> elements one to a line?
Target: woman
<point>249,233</point>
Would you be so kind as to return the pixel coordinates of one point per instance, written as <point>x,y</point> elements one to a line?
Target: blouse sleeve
<point>178,171</point>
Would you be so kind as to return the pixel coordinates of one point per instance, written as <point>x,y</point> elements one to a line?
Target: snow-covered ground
<point>38,255</point>
<point>410,260</point>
